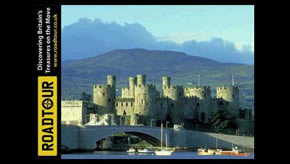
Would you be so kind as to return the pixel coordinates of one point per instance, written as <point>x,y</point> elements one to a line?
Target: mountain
<point>85,38</point>
<point>80,75</point>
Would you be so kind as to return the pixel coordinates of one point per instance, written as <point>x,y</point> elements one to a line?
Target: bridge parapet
<point>86,136</point>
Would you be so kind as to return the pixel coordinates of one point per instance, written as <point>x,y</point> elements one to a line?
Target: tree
<point>222,120</point>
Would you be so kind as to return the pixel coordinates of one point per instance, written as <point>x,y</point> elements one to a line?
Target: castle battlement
<point>191,98</point>
<point>227,88</point>
<point>125,89</point>
<point>102,86</point>
<point>172,87</point>
<point>197,88</point>
<point>71,103</point>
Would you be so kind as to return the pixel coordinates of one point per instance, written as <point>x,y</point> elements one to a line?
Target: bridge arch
<point>90,135</point>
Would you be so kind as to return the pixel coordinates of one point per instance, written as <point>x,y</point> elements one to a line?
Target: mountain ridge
<point>80,75</point>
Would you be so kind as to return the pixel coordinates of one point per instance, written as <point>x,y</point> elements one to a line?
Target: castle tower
<point>111,81</point>
<point>145,100</point>
<point>104,96</point>
<point>176,95</point>
<point>132,83</point>
<point>201,92</point>
<point>165,82</point>
<point>141,80</point>
<point>229,94</point>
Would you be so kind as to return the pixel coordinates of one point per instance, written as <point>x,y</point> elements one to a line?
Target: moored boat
<point>202,151</point>
<point>241,154</point>
<point>166,151</point>
<point>131,150</point>
<point>144,151</point>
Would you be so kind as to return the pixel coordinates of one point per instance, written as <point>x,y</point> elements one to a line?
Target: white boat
<point>131,150</point>
<point>144,151</point>
<point>163,152</point>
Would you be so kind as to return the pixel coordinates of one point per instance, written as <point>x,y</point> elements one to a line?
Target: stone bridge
<point>85,137</point>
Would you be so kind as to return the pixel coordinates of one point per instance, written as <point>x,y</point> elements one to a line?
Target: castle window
<point>103,93</point>
<point>126,104</point>
<point>233,95</point>
<point>116,104</point>
<point>131,103</point>
<point>124,113</point>
<point>204,95</point>
<point>121,104</point>
<point>179,93</point>
<point>109,100</point>
<point>172,105</point>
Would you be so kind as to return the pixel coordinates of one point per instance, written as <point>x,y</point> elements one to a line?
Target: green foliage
<point>222,120</point>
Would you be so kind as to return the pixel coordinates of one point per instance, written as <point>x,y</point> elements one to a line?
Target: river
<point>125,155</point>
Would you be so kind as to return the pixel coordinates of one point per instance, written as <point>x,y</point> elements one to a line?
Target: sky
<point>178,23</point>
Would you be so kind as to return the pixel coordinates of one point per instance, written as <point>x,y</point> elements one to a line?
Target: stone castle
<point>143,104</point>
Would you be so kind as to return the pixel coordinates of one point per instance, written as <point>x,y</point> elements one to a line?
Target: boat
<point>202,151</point>
<point>234,152</point>
<point>241,154</point>
<point>144,151</point>
<point>131,150</point>
<point>163,152</point>
<point>237,152</point>
<point>166,151</point>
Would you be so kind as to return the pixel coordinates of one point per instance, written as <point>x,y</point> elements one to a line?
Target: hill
<point>80,75</point>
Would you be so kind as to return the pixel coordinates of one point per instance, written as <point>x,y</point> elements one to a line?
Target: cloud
<point>87,38</point>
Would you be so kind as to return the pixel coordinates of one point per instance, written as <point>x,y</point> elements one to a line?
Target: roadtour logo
<point>47,116</point>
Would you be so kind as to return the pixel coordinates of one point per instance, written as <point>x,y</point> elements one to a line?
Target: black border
<point>58,4</point>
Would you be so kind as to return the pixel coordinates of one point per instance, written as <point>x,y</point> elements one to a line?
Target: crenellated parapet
<point>229,94</point>
<point>173,92</point>
<point>203,92</point>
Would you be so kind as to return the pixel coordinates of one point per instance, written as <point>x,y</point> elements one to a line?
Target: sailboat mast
<point>161,134</point>
<point>216,143</point>
<point>166,139</point>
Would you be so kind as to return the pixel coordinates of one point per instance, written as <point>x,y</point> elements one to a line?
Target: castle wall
<point>73,112</point>
<point>124,106</point>
<point>176,110</point>
<point>162,108</point>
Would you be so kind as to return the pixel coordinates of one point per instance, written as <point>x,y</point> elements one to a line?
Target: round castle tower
<point>104,96</point>
<point>145,99</point>
<point>141,80</point>
<point>165,82</point>
<point>132,83</point>
<point>111,80</point>
<point>229,94</point>
<point>198,91</point>
<point>176,94</point>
